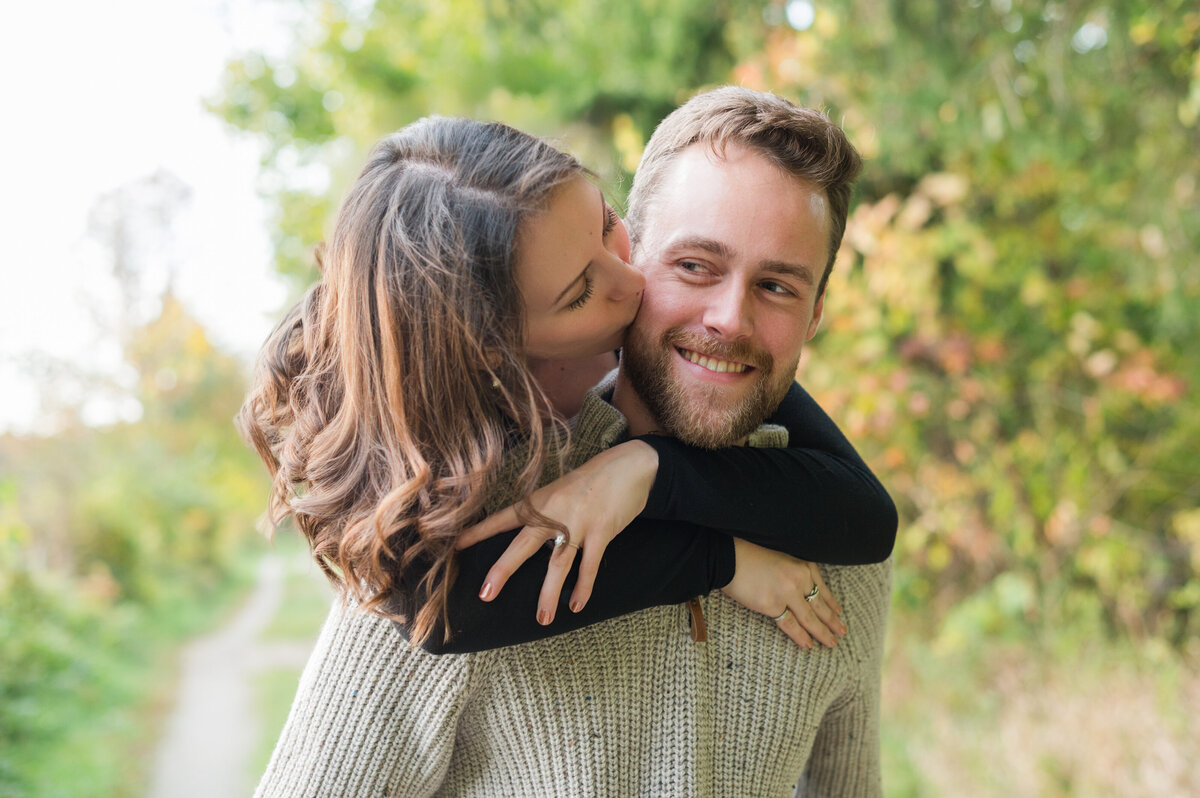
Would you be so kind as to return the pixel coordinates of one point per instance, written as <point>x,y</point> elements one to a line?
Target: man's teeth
<point>712,364</point>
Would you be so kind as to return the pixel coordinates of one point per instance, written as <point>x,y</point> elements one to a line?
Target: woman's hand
<point>775,584</point>
<point>594,502</point>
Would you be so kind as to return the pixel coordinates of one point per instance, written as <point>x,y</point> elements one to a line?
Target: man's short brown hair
<point>803,142</point>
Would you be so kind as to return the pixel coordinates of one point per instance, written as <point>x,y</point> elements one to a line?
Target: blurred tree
<point>161,487</point>
<point>1018,294</point>
<point>1014,310</point>
<point>135,226</point>
<point>116,530</point>
<point>597,75</point>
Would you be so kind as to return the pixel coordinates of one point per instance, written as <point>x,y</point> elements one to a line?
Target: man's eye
<point>690,266</point>
<point>777,288</point>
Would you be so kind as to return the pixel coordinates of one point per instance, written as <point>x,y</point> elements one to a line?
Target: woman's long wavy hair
<point>385,400</point>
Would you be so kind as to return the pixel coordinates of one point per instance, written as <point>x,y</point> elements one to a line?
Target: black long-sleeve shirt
<point>816,500</point>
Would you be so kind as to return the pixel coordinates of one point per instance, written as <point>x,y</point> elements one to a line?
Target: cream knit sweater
<point>628,707</point>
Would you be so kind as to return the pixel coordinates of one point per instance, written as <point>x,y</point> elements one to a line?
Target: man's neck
<point>626,399</point>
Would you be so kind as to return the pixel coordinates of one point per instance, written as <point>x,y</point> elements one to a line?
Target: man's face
<point>733,250</point>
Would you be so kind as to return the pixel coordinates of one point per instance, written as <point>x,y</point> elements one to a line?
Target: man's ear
<point>818,313</point>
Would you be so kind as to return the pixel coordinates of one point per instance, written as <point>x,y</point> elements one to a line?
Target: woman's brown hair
<point>384,401</point>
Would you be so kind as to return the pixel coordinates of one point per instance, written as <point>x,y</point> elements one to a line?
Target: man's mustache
<point>710,345</point>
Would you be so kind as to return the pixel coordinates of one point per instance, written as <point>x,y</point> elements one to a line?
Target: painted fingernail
<point>576,606</point>
<point>543,617</point>
<point>486,593</point>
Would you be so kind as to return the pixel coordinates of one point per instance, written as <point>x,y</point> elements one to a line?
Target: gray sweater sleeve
<point>357,727</point>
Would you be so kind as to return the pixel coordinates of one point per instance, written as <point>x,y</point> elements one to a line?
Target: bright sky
<point>98,95</point>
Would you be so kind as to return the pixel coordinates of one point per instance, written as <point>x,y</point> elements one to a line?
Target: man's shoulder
<point>598,425</point>
<point>625,641</point>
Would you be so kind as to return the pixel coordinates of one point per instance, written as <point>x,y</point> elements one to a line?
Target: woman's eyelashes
<point>586,295</point>
<point>610,224</point>
<point>610,220</point>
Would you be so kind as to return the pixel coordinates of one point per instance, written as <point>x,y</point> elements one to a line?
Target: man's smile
<point>712,363</point>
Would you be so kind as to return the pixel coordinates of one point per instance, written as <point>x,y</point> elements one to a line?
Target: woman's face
<point>579,290</point>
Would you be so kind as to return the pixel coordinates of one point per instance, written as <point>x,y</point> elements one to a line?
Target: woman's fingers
<point>825,615</point>
<point>494,524</point>
<point>826,594</point>
<point>790,627</point>
<point>825,605</point>
<point>589,565</point>
<point>556,574</point>
<point>828,611</point>
<point>807,617</point>
<point>523,546</point>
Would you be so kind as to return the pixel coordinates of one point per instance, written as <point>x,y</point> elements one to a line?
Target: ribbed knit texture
<point>628,707</point>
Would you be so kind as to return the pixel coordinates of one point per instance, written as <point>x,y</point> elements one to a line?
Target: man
<point>736,237</point>
<point>736,224</point>
<point>736,214</point>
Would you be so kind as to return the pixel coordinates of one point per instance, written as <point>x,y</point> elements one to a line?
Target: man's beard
<point>698,413</point>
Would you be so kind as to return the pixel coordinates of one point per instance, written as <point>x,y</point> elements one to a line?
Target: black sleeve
<point>816,500</point>
<point>651,563</point>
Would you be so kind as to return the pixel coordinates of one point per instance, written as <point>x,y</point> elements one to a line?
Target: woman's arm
<point>660,563</point>
<point>816,499</point>
<point>663,562</point>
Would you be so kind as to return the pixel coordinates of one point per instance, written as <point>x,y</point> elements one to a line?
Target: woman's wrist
<point>639,464</point>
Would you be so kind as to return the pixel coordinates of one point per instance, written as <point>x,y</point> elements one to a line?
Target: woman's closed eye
<point>610,220</point>
<point>588,286</point>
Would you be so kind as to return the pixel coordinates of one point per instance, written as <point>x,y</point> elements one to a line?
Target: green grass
<point>85,686</point>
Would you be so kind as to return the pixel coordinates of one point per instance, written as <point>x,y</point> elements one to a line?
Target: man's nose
<point>728,313</point>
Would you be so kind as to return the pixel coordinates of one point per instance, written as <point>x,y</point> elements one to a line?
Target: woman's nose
<point>626,280</point>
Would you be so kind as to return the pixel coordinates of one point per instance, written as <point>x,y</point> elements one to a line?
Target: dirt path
<point>213,729</point>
